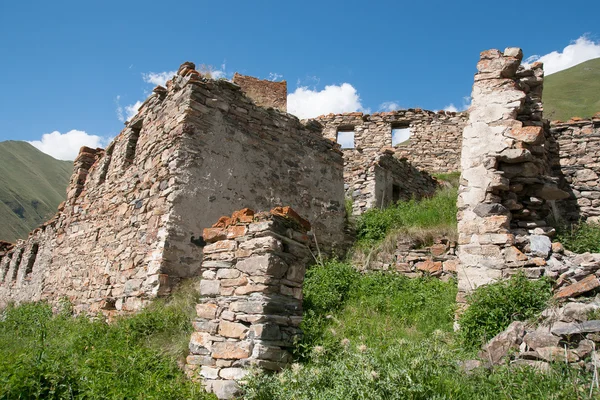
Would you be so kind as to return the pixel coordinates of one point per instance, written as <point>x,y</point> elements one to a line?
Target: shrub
<point>580,238</point>
<point>493,307</point>
<point>437,211</point>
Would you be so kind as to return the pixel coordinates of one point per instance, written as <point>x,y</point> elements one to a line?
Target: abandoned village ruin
<point>148,210</point>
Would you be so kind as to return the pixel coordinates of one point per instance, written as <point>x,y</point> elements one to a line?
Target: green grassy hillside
<point>32,185</point>
<point>574,92</point>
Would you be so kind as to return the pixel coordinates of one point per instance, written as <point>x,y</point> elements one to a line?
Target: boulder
<point>510,339</point>
<point>540,245</point>
<point>540,338</point>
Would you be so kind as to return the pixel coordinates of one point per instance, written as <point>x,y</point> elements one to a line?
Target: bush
<point>493,307</point>
<point>437,211</point>
<point>580,238</point>
<point>46,356</point>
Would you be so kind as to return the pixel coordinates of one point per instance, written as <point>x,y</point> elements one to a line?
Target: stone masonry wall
<point>373,175</point>
<point>576,161</point>
<point>434,144</point>
<point>132,224</point>
<point>505,183</point>
<point>251,307</point>
<point>265,93</point>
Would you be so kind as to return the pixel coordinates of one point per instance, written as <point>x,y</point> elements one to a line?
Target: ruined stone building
<point>520,175</point>
<point>132,224</point>
<point>147,211</point>
<point>388,155</point>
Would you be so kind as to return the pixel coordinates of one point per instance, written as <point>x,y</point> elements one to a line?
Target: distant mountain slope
<point>573,92</point>
<point>32,185</point>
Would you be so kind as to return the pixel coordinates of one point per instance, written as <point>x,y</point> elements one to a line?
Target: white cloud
<point>158,78</point>
<point>451,107</point>
<point>307,103</point>
<point>65,146</point>
<point>119,109</point>
<point>581,50</point>
<point>274,76</point>
<point>132,109</point>
<point>389,106</point>
<point>218,74</point>
<point>466,103</point>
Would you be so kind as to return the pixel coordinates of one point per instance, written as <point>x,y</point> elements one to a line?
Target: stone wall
<point>251,307</point>
<point>412,257</point>
<point>505,183</point>
<point>265,93</point>
<point>576,161</point>
<point>434,144</point>
<point>373,175</point>
<point>132,224</point>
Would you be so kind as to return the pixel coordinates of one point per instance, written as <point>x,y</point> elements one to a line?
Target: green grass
<point>384,336</point>
<point>451,178</point>
<point>32,185</point>
<point>574,92</point>
<point>580,238</point>
<point>46,356</point>
<point>437,212</point>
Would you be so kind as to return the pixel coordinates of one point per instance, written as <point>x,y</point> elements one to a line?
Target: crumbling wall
<point>373,175</point>
<point>265,93</point>
<point>435,137</point>
<point>235,154</point>
<point>576,161</point>
<point>132,224</point>
<point>251,307</point>
<point>24,265</point>
<point>505,183</point>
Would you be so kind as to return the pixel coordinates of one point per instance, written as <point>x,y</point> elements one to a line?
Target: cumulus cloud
<point>158,78</point>
<point>451,107</point>
<point>132,109</point>
<point>389,106</point>
<point>127,112</point>
<point>580,50</point>
<point>65,146</point>
<point>307,103</point>
<point>466,103</point>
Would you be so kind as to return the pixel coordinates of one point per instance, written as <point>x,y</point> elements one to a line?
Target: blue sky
<point>71,66</point>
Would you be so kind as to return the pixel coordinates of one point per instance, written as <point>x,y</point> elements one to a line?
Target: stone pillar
<point>251,289</point>
<point>505,183</point>
<point>81,166</point>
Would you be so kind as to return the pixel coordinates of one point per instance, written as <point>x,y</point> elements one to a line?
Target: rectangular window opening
<point>345,137</point>
<point>16,264</point>
<point>31,260</point>
<point>132,141</point>
<point>400,135</point>
<point>395,193</point>
<point>107,159</point>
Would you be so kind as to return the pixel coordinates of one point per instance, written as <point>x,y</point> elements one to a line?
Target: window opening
<point>395,193</point>
<point>31,260</point>
<point>132,143</point>
<point>16,264</point>
<point>400,134</point>
<point>108,157</point>
<point>345,137</point>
